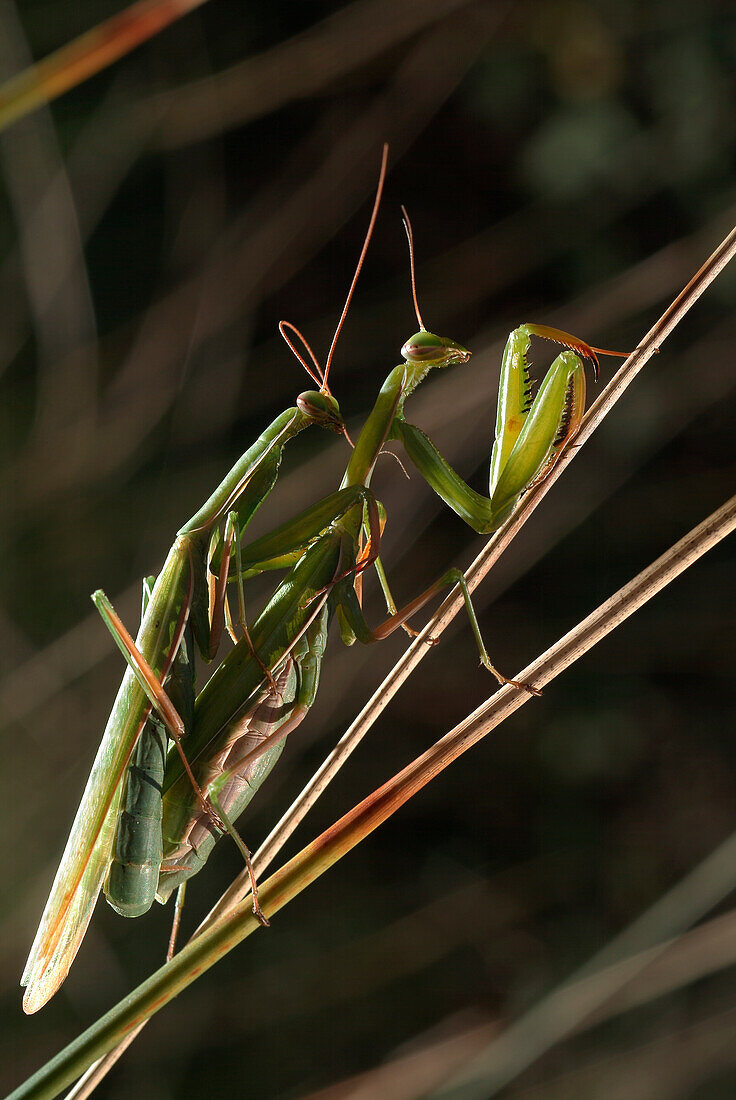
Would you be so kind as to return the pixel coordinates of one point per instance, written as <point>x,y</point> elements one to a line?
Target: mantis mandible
<point>322,550</point>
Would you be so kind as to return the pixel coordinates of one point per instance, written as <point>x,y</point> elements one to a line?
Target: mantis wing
<point>70,905</point>
<point>87,854</point>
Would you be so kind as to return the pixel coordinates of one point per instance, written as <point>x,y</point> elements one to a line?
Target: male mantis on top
<point>321,548</point>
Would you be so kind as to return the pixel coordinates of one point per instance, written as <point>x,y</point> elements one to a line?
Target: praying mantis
<point>235,731</point>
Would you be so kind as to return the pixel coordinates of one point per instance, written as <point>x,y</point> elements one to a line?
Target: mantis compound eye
<point>425,347</point>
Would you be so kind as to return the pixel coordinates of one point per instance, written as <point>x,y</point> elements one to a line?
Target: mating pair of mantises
<point>149,817</point>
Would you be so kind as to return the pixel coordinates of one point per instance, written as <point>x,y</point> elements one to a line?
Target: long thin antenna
<point>410,239</point>
<point>319,377</point>
<point>366,242</point>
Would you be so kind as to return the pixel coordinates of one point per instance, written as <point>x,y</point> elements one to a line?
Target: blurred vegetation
<point>570,162</point>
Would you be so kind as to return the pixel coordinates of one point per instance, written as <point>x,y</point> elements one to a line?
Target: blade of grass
<point>222,936</point>
<point>92,51</point>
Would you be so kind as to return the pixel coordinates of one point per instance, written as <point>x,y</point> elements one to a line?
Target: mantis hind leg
<point>247,857</point>
<point>352,616</point>
<point>181,894</point>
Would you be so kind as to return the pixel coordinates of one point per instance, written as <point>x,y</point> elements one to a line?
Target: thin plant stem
<point>223,935</point>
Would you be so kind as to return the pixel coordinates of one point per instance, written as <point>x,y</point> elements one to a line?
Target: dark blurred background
<point>569,163</point>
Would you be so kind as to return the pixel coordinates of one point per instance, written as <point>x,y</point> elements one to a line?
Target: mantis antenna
<point>321,376</point>
<point>361,258</point>
<point>410,239</point>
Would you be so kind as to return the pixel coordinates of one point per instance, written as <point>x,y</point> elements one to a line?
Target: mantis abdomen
<point>234,773</point>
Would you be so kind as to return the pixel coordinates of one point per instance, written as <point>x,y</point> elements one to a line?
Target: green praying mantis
<point>174,807</point>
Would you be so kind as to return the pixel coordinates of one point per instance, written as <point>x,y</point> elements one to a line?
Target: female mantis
<point>321,548</point>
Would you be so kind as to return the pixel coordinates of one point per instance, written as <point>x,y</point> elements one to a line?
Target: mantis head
<point>434,351</point>
<point>424,347</point>
<point>323,409</point>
